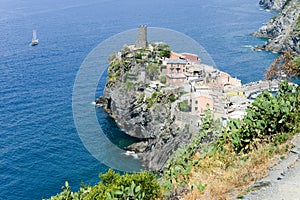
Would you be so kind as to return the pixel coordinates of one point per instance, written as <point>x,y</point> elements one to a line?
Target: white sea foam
<point>131,153</point>
<point>247,46</point>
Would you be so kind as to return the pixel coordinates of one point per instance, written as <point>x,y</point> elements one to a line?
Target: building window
<point>196,102</point>
<point>196,108</point>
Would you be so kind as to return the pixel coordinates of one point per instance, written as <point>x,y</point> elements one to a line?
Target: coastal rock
<point>147,115</point>
<point>272,4</point>
<point>283,31</point>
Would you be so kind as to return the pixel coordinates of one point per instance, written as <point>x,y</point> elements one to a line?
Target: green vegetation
<point>240,152</point>
<point>172,98</point>
<point>113,186</point>
<point>178,169</point>
<point>114,71</point>
<point>129,85</point>
<point>286,64</point>
<point>164,50</point>
<point>142,185</point>
<point>220,161</point>
<point>297,26</point>
<point>297,61</point>
<point>67,194</point>
<point>155,98</point>
<point>269,120</point>
<point>163,79</point>
<point>141,98</point>
<point>184,106</point>
<point>152,70</point>
<point>114,66</point>
<point>138,56</point>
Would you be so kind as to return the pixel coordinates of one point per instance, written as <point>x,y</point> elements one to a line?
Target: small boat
<point>34,41</point>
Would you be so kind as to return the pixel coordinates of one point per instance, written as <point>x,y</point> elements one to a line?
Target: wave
<point>131,153</point>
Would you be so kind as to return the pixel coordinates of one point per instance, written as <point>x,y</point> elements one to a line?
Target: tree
<point>285,66</point>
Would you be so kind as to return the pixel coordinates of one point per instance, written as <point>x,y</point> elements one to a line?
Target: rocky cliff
<point>283,30</point>
<point>141,111</point>
<point>272,4</point>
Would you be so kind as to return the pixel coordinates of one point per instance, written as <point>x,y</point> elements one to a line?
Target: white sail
<point>34,41</point>
<point>34,35</point>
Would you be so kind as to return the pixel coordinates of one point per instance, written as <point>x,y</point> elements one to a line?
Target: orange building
<point>191,57</point>
<point>174,55</point>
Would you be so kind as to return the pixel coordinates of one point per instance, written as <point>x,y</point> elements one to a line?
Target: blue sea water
<point>39,145</point>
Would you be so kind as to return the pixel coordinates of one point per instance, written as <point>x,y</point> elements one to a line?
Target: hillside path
<point>283,180</point>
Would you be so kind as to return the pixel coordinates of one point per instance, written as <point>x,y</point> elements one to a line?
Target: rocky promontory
<point>283,31</point>
<point>272,4</point>
<point>161,97</point>
<point>142,110</point>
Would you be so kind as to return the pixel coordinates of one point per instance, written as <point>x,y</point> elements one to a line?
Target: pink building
<point>176,79</point>
<point>226,79</point>
<point>199,103</point>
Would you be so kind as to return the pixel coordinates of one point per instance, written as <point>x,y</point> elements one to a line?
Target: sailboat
<point>34,41</point>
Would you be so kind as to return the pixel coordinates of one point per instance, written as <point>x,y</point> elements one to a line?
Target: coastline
<point>138,97</point>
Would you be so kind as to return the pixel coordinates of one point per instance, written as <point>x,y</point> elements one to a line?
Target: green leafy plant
<point>184,106</point>
<point>201,187</point>
<point>142,185</point>
<point>269,119</point>
<point>163,79</point>
<point>172,98</point>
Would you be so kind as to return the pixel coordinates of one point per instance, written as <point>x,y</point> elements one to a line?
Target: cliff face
<point>283,31</point>
<point>147,115</point>
<point>272,4</point>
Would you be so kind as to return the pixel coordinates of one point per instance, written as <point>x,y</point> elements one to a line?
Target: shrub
<point>142,185</point>
<point>139,56</point>
<point>129,85</point>
<point>163,79</point>
<point>172,98</point>
<point>269,119</point>
<point>184,106</point>
<point>152,70</point>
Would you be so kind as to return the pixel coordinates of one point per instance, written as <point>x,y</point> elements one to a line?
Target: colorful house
<point>176,79</point>
<point>226,79</point>
<point>176,66</point>
<point>199,103</point>
<point>191,57</point>
<point>174,55</point>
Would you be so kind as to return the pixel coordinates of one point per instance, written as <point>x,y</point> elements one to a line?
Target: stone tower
<point>142,40</point>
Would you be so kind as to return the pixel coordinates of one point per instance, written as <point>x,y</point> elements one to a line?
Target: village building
<point>191,57</point>
<point>200,102</point>
<point>176,66</point>
<point>174,55</point>
<point>226,79</point>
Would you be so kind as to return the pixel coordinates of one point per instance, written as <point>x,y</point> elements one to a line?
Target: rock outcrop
<point>148,116</point>
<point>272,4</point>
<point>283,30</point>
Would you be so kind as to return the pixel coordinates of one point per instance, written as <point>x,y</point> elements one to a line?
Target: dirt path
<point>283,181</point>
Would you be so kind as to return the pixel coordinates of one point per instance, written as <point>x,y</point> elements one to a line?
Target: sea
<point>40,147</point>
